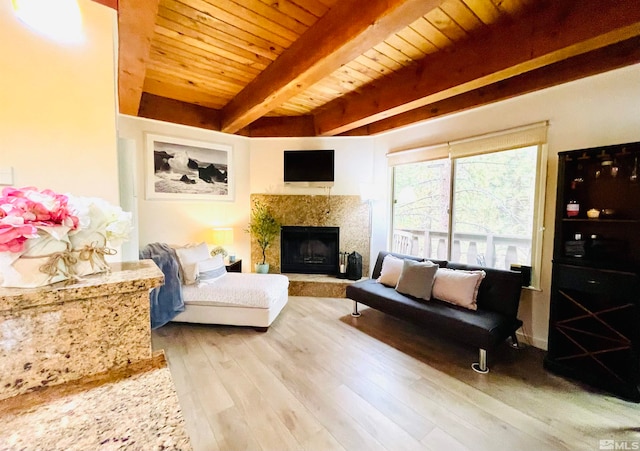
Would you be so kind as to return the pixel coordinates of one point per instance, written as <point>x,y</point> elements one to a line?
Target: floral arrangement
<point>46,237</point>
<point>22,211</point>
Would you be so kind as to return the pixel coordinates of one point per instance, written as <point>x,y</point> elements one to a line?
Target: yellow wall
<point>57,105</point>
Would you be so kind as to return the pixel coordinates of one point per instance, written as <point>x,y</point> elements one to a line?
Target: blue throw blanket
<point>166,300</point>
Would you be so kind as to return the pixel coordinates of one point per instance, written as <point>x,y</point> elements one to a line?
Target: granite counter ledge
<point>124,277</point>
<point>63,332</point>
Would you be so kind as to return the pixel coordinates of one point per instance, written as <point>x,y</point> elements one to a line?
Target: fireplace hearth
<point>309,250</point>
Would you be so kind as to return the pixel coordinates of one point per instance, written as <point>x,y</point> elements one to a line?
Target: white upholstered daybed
<point>213,296</point>
<point>238,299</point>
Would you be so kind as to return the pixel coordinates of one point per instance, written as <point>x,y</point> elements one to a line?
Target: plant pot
<point>262,268</point>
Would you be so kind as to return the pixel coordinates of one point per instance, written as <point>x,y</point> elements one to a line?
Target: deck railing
<point>493,251</point>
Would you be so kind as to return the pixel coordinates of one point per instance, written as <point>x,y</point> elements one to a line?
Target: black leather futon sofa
<point>492,323</point>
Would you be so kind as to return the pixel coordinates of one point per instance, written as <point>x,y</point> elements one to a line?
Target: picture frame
<point>185,169</point>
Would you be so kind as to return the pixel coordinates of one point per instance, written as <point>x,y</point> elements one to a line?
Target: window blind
<point>527,135</point>
<point>417,155</point>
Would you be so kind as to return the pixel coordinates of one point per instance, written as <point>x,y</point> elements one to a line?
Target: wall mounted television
<point>309,167</point>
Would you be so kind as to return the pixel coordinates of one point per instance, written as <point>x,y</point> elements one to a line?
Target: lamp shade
<point>222,236</point>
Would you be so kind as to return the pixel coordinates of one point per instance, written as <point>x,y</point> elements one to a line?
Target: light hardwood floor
<point>319,379</point>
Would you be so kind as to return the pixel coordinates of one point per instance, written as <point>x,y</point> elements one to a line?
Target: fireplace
<point>309,250</point>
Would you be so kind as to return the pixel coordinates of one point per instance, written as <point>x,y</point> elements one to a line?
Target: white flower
<point>119,230</point>
<point>97,216</point>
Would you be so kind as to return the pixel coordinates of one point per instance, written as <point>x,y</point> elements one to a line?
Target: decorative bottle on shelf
<point>573,209</point>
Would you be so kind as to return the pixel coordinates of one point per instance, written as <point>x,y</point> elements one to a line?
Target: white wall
<point>595,111</point>
<point>354,164</point>
<point>188,221</point>
<point>356,170</point>
<point>258,168</point>
<point>57,106</point>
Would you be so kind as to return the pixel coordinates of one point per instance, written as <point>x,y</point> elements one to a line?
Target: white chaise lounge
<point>238,299</point>
<point>198,289</point>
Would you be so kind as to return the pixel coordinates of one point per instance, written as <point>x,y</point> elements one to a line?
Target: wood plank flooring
<point>319,379</point>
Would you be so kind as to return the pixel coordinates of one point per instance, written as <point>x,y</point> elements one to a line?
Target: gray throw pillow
<point>416,279</point>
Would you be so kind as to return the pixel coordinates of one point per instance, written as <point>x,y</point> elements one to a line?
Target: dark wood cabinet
<point>594,324</point>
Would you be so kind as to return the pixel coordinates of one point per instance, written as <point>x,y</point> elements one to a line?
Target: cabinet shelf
<point>611,265</point>
<point>598,220</point>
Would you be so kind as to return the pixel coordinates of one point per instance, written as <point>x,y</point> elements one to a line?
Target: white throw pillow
<point>188,257</point>
<point>458,287</point>
<point>211,269</point>
<point>391,270</point>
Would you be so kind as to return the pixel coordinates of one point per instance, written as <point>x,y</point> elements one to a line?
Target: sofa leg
<point>481,366</point>
<point>355,312</point>
<point>515,344</point>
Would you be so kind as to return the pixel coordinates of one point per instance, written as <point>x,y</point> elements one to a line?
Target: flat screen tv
<point>309,167</point>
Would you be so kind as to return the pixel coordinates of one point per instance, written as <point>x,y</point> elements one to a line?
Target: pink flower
<point>38,207</point>
<point>23,210</point>
<point>14,233</point>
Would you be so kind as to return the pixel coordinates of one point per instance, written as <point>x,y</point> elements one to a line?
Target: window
<point>421,208</point>
<point>481,205</point>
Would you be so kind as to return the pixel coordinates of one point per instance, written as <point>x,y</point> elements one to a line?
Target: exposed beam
<point>555,31</point>
<point>347,30</point>
<point>136,22</point>
<point>178,112</point>
<point>110,3</point>
<point>281,126</point>
<point>595,62</point>
<point>169,110</point>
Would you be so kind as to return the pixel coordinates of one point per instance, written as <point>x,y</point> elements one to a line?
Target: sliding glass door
<point>477,209</point>
<point>421,208</point>
<point>493,208</point>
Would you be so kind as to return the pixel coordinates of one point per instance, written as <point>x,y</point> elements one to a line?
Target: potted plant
<point>264,227</point>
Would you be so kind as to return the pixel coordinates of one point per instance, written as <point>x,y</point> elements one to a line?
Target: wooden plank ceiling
<point>355,67</point>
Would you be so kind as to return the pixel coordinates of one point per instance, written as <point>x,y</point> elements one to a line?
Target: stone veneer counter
<point>64,332</point>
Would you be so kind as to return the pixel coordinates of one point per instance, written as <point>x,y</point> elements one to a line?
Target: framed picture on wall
<point>179,168</point>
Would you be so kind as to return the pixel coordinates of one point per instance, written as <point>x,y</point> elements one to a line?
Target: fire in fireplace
<point>309,250</point>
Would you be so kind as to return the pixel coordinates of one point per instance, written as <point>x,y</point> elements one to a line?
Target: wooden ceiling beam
<point>347,30</point>
<point>177,112</point>
<point>280,126</point>
<point>136,23</point>
<point>553,32</point>
<point>110,3</point>
<point>595,62</point>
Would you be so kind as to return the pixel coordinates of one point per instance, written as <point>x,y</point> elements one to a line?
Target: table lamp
<point>221,236</point>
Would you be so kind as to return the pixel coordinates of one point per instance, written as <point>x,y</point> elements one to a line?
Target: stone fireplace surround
<point>347,212</point>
